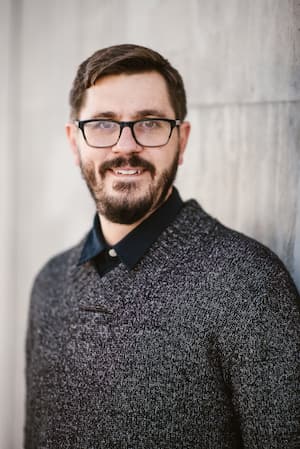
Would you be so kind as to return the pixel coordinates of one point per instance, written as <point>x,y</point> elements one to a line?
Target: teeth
<point>128,172</point>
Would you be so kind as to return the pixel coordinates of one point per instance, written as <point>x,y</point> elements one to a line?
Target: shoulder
<point>232,261</point>
<point>224,243</point>
<point>56,269</point>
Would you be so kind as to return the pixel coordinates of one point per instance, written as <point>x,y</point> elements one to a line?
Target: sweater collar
<point>135,244</point>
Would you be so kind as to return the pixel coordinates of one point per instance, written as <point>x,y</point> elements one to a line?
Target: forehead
<point>127,95</point>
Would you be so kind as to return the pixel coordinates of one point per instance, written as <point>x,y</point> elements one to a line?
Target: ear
<point>184,132</point>
<point>72,135</point>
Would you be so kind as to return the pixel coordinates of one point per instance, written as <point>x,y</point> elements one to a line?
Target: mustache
<point>132,161</point>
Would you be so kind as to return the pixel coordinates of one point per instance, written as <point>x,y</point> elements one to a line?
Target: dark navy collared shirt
<point>134,245</point>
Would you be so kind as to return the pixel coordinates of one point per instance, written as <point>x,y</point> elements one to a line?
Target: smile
<point>128,171</point>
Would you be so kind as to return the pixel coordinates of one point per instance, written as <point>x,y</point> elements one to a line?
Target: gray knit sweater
<point>197,347</point>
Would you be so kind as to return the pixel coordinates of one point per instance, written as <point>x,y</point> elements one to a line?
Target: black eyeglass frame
<point>173,124</point>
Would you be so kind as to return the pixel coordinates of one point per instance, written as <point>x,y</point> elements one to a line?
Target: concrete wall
<point>240,61</point>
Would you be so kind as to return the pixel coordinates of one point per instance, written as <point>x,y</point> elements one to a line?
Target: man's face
<point>128,181</point>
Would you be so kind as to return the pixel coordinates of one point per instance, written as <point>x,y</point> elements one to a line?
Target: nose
<point>126,142</point>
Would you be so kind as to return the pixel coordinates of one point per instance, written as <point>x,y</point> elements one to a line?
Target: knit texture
<point>196,347</point>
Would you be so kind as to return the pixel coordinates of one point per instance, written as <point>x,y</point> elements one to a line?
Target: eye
<point>105,124</point>
<point>149,124</point>
<point>102,125</point>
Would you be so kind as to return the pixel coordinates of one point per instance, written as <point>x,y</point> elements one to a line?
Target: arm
<point>263,369</point>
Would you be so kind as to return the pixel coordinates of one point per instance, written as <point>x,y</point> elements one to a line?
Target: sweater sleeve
<point>263,368</point>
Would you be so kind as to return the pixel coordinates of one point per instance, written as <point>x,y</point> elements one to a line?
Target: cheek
<point>161,158</point>
<point>91,159</point>
<point>171,158</point>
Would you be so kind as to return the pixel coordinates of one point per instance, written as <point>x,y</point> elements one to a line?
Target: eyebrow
<point>104,114</point>
<point>152,112</point>
<point>138,114</point>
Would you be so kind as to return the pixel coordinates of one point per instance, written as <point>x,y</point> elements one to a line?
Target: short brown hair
<point>128,59</point>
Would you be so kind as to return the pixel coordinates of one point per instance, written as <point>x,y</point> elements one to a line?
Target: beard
<point>129,206</point>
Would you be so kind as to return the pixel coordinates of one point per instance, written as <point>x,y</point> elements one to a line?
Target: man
<point>162,328</point>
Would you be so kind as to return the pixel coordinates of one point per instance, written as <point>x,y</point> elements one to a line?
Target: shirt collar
<point>135,244</point>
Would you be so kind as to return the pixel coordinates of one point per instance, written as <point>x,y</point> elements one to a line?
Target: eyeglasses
<point>150,132</point>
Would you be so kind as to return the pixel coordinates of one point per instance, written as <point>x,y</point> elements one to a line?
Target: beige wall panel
<point>233,51</point>
<point>243,166</point>
<point>8,276</point>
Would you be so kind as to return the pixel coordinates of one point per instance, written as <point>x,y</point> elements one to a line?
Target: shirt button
<point>112,252</point>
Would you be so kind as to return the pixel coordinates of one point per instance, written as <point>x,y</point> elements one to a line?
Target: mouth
<point>133,167</point>
<point>131,171</point>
